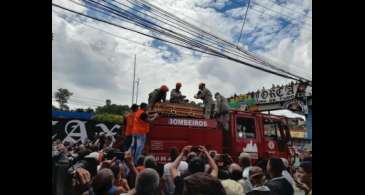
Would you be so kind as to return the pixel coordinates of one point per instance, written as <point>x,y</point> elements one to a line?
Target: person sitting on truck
<point>221,111</point>
<point>196,165</point>
<point>176,96</point>
<point>141,127</point>
<point>157,95</point>
<point>206,96</point>
<point>128,124</point>
<point>278,184</point>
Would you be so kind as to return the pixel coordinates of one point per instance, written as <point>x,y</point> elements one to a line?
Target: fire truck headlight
<point>240,134</point>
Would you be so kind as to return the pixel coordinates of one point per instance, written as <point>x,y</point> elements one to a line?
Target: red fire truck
<point>260,135</point>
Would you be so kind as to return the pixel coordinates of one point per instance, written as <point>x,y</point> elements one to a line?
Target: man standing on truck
<point>221,110</point>
<point>176,96</point>
<point>157,95</point>
<point>140,129</point>
<point>206,96</point>
<point>128,125</point>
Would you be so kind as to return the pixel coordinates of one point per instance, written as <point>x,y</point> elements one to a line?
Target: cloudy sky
<point>95,60</point>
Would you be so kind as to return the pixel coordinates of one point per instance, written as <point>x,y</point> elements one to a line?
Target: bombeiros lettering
<point>188,122</point>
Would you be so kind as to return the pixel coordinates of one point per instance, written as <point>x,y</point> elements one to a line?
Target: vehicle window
<point>245,127</point>
<point>272,129</point>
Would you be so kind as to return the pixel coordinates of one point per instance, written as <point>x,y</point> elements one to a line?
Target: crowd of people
<point>254,95</point>
<point>95,168</point>
<point>101,167</point>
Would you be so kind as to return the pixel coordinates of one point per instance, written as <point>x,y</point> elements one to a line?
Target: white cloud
<point>94,64</point>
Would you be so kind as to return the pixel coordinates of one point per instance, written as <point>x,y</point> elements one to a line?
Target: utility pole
<point>134,77</point>
<point>138,80</point>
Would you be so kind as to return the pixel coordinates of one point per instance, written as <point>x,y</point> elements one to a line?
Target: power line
<point>244,20</point>
<point>120,37</point>
<point>251,56</point>
<point>303,12</point>
<point>289,21</point>
<point>275,11</point>
<point>184,40</point>
<point>123,38</point>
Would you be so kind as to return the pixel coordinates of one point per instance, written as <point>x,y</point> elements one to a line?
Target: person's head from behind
<point>202,184</point>
<point>244,160</point>
<point>304,173</point>
<point>150,162</point>
<point>134,107</point>
<point>275,167</point>
<point>223,174</point>
<point>190,156</point>
<point>235,171</point>
<point>257,176</point>
<point>143,106</point>
<point>147,182</point>
<point>173,153</point>
<point>103,181</point>
<point>196,164</point>
<point>140,161</point>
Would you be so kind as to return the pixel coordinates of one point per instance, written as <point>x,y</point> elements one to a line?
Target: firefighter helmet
<point>164,88</point>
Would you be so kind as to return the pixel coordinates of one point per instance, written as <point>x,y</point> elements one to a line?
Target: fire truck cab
<point>260,135</point>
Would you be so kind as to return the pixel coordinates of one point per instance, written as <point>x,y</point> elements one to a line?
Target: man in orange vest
<point>140,129</point>
<point>128,126</point>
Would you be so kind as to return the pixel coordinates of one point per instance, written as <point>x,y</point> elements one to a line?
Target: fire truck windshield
<point>245,128</point>
<point>272,129</point>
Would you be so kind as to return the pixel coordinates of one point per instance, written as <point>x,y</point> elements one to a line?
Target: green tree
<point>79,110</point>
<point>62,96</point>
<point>90,110</point>
<point>113,118</point>
<point>110,108</point>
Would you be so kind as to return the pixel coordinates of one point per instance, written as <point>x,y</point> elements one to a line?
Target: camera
<point>195,149</point>
<point>110,154</point>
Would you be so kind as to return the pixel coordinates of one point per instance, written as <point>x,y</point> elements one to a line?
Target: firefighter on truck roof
<point>221,110</point>
<point>205,95</point>
<point>157,95</point>
<point>176,96</point>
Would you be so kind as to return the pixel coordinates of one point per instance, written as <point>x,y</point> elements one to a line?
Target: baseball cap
<point>255,171</point>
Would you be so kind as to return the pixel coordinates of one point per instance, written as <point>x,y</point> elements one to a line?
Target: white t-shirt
<point>169,185</point>
<point>288,177</point>
<point>183,167</point>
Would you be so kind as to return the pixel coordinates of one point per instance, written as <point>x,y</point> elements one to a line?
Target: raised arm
<point>211,162</point>
<point>175,164</point>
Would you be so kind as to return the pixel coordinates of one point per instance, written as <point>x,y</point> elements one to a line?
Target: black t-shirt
<point>256,192</point>
<point>179,185</point>
<point>280,186</point>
